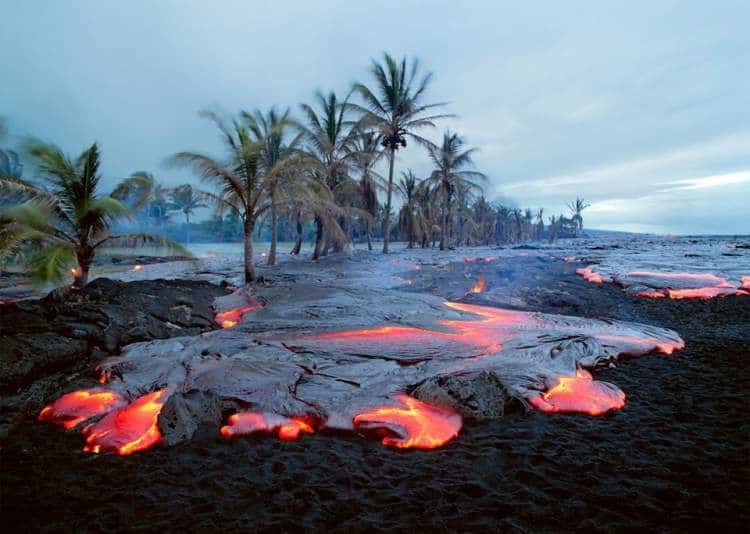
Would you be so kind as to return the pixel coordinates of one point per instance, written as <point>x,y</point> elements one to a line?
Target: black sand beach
<point>675,458</point>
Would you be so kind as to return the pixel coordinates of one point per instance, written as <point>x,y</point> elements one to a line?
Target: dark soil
<point>63,336</point>
<point>675,458</point>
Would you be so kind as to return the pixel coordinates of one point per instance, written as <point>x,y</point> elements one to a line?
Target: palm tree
<point>68,221</point>
<point>278,160</point>
<point>407,218</point>
<point>367,151</point>
<point>576,209</point>
<point>331,140</point>
<point>187,199</point>
<point>395,110</point>
<point>243,187</point>
<point>452,162</point>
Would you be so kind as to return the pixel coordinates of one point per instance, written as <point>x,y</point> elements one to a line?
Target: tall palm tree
<point>187,199</point>
<point>395,110</point>
<point>452,161</point>
<point>242,186</point>
<point>368,151</point>
<point>407,218</point>
<point>330,138</point>
<point>279,160</point>
<point>576,209</point>
<point>68,221</point>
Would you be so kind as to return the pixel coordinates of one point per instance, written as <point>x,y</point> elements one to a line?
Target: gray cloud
<point>614,101</point>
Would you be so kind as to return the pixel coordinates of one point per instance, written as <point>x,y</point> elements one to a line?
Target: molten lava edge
<point>129,429</point>
<point>590,276</point>
<point>479,285</point>
<point>579,394</point>
<point>78,406</point>
<point>248,423</point>
<point>415,425</point>
<point>709,285</point>
<point>230,318</point>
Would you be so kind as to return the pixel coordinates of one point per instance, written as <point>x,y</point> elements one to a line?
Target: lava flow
<point>590,276</point>
<point>230,318</point>
<point>78,406</point>
<point>130,429</point>
<point>415,425</point>
<point>247,423</point>
<point>579,394</point>
<point>470,338</point>
<point>479,285</point>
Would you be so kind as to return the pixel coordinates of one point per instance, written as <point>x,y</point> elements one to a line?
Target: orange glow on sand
<point>78,406</point>
<point>230,318</point>
<point>579,394</point>
<point>590,276</point>
<point>479,285</point>
<point>248,423</point>
<point>130,429</point>
<point>415,425</point>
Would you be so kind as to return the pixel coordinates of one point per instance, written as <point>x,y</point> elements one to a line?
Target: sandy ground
<point>674,458</point>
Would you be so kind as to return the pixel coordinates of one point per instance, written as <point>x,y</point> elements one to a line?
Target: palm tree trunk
<point>84,256</point>
<point>274,230</point>
<point>298,242</point>
<point>369,235</point>
<point>187,228</point>
<point>249,224</point>
<point>318,238</point>
<point>444,226</point>
<point>387,225</point>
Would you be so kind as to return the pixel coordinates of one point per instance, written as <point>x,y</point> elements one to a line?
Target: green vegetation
<point>281,178</point>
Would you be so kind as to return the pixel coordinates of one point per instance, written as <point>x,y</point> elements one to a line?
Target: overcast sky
<point>643,108</point>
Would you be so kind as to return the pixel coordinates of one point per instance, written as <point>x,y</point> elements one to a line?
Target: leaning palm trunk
<point>387,224</point>
<point>368,226</point>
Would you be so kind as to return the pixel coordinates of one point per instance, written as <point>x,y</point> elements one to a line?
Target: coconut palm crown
<point>395,109</point>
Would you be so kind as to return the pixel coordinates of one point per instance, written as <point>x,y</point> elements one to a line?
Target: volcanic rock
<point>478,396</point>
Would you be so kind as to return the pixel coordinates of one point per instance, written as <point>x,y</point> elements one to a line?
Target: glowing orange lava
<point>136,268</point>
<point>579,394</point>
<point>482,337</point>
<point>415,425</point>
<point>230,318</point>
<point>130,429</point>
<point>710,285</point>
<point>703,278</point>
<point>247,423</point>
<point>590,276</point>
<point>645,343</point>
<point>78,406</point>
<point>479,285</point>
